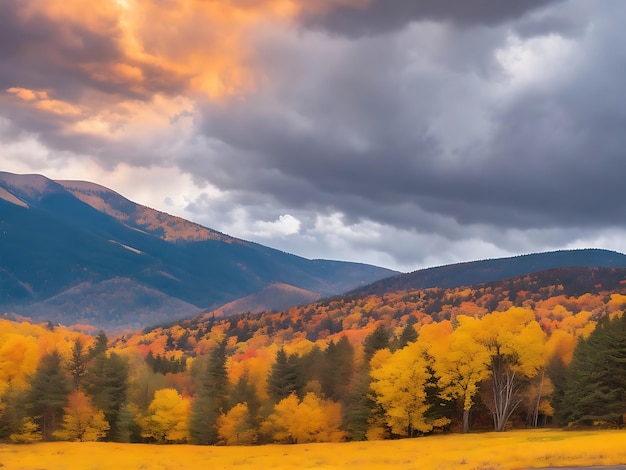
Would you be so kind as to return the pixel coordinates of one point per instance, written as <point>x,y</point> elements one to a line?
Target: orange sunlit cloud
<point>145,60</point>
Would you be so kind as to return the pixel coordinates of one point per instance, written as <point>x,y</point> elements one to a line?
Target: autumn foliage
<point>404,364</point>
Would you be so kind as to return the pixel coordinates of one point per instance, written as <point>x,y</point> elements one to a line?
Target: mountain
<point>274,297</point>
<point>77,251</point>
<point>478,272</point>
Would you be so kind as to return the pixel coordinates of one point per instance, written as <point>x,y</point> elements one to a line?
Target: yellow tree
<point>460,363</point>
<point>309,420</point>
<point>19,356</point>
<point>168,417</point>
<point>236,427</point>
<point>515,344</point>
<point>82,421</point>
<point>399,384</point>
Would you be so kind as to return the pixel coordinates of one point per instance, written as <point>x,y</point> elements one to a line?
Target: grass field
<point>510,450</point>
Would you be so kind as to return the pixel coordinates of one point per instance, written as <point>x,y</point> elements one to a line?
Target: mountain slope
<point>567,298</point>
<point>478,272</point>
<point>55,236</point>
<point>276,297</point>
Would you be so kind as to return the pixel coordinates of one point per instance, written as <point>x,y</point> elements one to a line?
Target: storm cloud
<point>399,133</point>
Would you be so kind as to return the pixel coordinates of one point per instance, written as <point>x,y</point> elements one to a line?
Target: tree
<point>408,335</point>
<point>284,378</point>
<point>82,421</point>
<point>594,389</point>
<point>48,395</point>
<point>211,400</point>
<point>460,363</point>
<point>399,382</point>
<point>27,433</point>
<point>107,384</point>
<point>375,341</point>
<point>168,417</point>
<point>78,365</point>
<point>246,392</point>
<point>237,426</point>
<point>310,420</point>
<point>99,346</point>
<point>338,367</point>
<point>514,343</point>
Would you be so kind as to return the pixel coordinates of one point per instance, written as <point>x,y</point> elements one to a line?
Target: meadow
<point>486,451</point>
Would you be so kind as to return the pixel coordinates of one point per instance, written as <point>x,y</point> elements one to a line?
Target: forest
<point>530,352</point>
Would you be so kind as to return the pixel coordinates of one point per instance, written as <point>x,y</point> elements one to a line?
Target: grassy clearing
<point>490,451</point>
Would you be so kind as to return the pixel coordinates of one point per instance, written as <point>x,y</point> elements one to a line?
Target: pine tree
<point>78,365</point>
<point>211,400</point>
<point>107,384</point>
<point>594,390</point>
<point>48,395</point>
<point>284,378</point>
<point>338,369</point>
<point>378,339</point>
<point>100,345</point>
<point>12,411</point>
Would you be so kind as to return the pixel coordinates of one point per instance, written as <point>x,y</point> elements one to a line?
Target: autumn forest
<point>542,350</point>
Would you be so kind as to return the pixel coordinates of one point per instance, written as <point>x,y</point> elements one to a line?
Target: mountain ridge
<point>471,273</point>
<point>51,241</point>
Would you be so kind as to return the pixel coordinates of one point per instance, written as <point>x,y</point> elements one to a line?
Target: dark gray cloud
<point>376,131</point>
<point>382,16</point>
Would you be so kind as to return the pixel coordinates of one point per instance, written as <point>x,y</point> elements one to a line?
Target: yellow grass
<point>491,451</point>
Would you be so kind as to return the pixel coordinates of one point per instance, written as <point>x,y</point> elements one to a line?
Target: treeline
<point>560,298</point>
<point>490,371</point>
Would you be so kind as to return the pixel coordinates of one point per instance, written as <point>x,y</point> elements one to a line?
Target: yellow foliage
<point>561,344</point>
<point>515,334</point>
<point>82,421</point>
<point>311,420</point>
<point>19,356</point>
<point>461,363</point>
<point>236,428</point>
<point>168,417</point>
<point>399,383</point>
<point>29,433</point>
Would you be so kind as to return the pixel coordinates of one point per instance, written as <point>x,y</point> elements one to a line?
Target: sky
<point>401,133</point>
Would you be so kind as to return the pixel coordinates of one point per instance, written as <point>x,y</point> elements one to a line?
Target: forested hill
<point>584,293</point>
<point>477,272</point>
<point>335,369</point>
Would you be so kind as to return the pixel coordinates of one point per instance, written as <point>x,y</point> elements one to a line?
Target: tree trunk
<point>505,398</point>
<point>466,424</point>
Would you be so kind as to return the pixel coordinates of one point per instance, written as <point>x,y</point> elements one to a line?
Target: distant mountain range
<point>478,272</point>
<point>77,252</point>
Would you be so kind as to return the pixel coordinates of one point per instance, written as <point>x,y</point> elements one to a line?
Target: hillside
<point>477,272</point>
<point>588,292</point>
<point>64,245</point>
<point>336,369</point>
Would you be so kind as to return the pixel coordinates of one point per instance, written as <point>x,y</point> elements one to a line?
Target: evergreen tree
<point>211,400</point>
<point>408,335</point>
<point>594,390</point>
<point>48,395</point>
<point>78,365</point>
<point>245,392</point>
<point>361,405</point>
<point>338,369</point>
<point>100,345</point>
<point>284,377</point>
<point>378,339</point>
<point>12,411</point>
<point>107,384</point>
